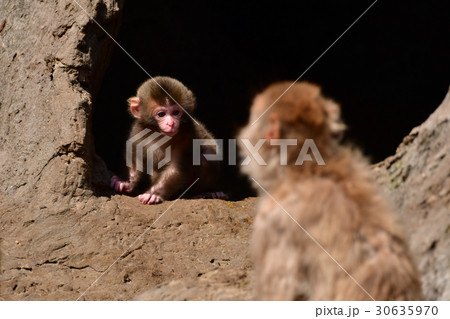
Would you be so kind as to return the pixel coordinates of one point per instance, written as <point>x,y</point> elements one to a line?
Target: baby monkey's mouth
<point>170,132</point>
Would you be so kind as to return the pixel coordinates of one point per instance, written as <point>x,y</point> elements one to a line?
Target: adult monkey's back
<point>322,232</point>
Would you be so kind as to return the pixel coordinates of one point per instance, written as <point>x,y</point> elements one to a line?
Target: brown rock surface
<point>417,179</point>
<point>52,59</point>
<point>57,255</point>
<point>61,229</point>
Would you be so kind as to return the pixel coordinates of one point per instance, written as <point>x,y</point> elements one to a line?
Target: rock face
<point>58,255</point>
<point>65,236</point>
<point>417,179</point>
<point>53,57</point>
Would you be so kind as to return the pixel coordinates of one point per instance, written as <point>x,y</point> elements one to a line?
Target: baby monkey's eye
<point>176,112</point>
<point>161,114</point>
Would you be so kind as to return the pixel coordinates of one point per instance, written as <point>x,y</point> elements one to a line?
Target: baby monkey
<point>163,106</point>
<point>313,219</point>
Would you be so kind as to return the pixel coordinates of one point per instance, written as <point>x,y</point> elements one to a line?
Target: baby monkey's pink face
<point>168,117</point>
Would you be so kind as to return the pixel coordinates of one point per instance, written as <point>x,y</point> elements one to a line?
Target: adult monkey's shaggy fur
<point>337,204</point>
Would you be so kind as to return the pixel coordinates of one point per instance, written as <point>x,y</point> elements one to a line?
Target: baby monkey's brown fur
<point>163,105</point>
<point>338,204</point>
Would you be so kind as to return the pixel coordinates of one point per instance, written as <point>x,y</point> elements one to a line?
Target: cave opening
<point>389,71</point>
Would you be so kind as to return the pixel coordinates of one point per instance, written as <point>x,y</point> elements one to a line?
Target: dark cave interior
<point>389,71</point>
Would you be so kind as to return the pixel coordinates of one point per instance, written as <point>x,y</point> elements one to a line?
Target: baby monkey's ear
<point>134,105</point>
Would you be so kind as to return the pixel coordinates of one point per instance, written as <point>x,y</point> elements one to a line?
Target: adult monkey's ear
<point>273,129</point>
<point>134,104</point>
<point>333,118</point>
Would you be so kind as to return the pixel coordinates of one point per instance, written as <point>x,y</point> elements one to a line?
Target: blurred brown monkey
<point>308,211</point>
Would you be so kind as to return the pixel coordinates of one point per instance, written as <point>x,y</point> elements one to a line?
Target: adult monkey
<point>314,219</point>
